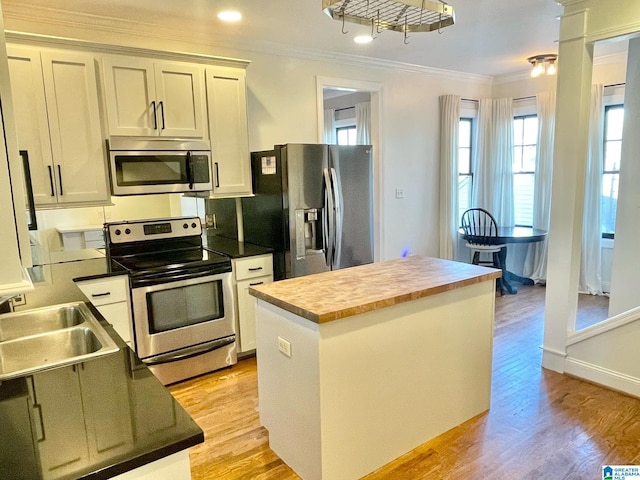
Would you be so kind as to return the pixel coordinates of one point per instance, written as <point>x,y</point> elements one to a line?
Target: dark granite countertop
<point>99,275</point>
<point>233,248</point>
<point>93,420</point>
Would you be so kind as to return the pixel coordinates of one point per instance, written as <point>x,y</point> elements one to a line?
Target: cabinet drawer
<point>247,312</point>
<point>102,291</point>
<point>251,267</point>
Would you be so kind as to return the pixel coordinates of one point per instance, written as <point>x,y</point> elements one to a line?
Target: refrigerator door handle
<point>328,218</point>
<point>337,230</point>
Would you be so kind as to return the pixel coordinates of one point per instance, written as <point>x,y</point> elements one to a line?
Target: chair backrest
<point>479,227</point>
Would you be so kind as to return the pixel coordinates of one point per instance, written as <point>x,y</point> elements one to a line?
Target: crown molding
<point>612,58</point>
<point>141,29</point>
<point>620,57</point>
<point>63,42</point>
<point>512,77</point>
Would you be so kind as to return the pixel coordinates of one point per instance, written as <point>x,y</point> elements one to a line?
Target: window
<point>465,174</point>
<point>346,135</point>
<point>525,144</point>
<point>613,119</point>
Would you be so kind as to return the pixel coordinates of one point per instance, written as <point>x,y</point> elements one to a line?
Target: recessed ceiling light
<point>230,16</point>
<point>363,39</point>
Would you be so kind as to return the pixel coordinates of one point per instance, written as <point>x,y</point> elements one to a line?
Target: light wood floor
<point>541,424</point>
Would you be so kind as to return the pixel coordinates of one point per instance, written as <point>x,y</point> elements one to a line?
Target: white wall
<point>282,108</point>
<point>47,239</point>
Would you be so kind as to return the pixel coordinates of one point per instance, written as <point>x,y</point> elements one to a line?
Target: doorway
<point>329,91</point>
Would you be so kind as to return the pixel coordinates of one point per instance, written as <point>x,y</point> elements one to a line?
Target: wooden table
<point>508,235</point>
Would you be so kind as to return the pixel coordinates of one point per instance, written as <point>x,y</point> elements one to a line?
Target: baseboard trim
<point>553,359</point>
<point>603,376</point>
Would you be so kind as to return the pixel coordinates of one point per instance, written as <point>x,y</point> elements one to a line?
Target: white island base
<point>360,391</point>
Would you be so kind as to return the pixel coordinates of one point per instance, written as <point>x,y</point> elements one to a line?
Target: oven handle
<point>190,352</point>
<point>161,278</point>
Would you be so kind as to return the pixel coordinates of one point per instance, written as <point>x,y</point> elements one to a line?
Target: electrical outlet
<point>399,193</point>
<point>19,300</point>
<point>284,346</point>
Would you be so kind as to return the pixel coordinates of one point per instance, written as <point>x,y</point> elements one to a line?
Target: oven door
<point>175,315</point>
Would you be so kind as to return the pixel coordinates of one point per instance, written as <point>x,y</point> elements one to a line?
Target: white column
<point>570,153</point>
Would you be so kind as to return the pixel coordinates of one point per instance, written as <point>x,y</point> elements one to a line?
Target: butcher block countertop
<point>328,296</point>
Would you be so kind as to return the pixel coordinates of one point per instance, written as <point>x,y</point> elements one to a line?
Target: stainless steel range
<point>181,294</point>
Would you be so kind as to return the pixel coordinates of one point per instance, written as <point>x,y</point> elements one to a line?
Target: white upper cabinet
<point>57,120</point>
<point>147,98</point>
<point>228,131</point>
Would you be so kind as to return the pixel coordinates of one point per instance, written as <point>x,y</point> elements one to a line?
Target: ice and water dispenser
<point>308,232</point>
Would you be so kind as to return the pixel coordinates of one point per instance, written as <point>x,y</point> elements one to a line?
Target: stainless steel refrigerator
<point>313,206</point>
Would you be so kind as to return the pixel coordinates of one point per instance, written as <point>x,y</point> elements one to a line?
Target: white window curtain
<point>330,126</point>
<point>449,125</point>
<point>535,266</point>
<point>493,185</point>
<point>363,123</point>
<point>590,264</point>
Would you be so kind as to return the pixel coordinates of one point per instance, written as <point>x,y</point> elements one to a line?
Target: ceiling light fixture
<point>543,64</point>
<point>230,16</point>
<point>363,39</point>
<point>399,15</point>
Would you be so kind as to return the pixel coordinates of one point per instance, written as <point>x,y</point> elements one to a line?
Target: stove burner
<point>178,252</point>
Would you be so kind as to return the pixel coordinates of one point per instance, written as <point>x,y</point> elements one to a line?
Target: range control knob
<point>127,231</point>
<point>185,226</point>
<point>193,225</point>
<point>117,231</point>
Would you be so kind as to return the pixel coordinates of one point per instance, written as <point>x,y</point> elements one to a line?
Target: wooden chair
<point>481,233</point>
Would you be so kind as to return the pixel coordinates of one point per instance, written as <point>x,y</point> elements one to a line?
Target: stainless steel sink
<point>50,337</point>
<point>41,320</point>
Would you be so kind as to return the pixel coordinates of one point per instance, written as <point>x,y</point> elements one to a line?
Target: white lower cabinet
<point>79,416</point>
<point>110,296</point>
<point>175,467</point>
<point>248,272</point>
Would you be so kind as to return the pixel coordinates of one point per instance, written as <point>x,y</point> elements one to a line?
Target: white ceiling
<point>490,37</point>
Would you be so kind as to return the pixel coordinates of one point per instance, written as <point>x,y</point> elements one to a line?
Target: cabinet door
<point>105,398</point>
<point>227,108</point>
<point>79,154</point>
<point>119,316</point>
<point>247,312</point>
<point>110,296</point>
<point>27,89</point>
<point>180,100</point>
<point>62,440</point>
<point>130,96</point>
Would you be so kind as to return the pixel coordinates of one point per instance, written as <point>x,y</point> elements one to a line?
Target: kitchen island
<point>107,417</point>
<point>358,366</point>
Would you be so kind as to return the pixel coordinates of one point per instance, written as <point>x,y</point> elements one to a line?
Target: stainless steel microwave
<point>142,166</point>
